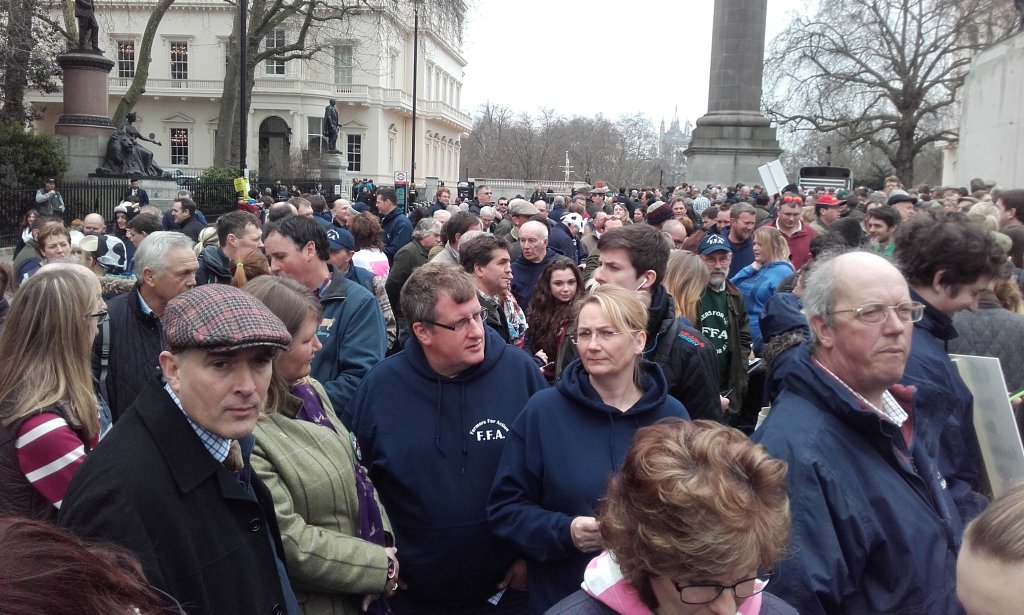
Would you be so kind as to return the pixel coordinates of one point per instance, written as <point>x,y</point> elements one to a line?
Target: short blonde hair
<point>772,243</point>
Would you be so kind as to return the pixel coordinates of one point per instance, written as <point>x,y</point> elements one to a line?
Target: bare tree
<point>27,57</point>
<point>882,73</point>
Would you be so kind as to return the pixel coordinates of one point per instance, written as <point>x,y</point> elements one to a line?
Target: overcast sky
<point>649,58</point>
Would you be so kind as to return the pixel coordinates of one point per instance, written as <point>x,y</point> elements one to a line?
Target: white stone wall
<point>992,119</point>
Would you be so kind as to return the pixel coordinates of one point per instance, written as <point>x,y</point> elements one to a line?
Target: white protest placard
<point>998,437</point>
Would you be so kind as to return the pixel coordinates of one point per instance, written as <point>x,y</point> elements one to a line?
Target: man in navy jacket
<point>874,529</point>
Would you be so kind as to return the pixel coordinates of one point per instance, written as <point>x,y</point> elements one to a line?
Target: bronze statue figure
<point>330,127</point>
<point>125,156</point>
<point>88,27</point>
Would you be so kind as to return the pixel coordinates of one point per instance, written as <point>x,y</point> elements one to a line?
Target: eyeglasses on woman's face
<point>703,593</point>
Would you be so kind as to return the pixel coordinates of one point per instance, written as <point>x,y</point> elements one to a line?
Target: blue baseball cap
<point>713,243</point>
<point>341,239</point>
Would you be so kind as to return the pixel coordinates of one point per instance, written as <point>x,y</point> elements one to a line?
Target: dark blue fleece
<point>563,448</point>
<point>432,446</point>
<point>525,274</point>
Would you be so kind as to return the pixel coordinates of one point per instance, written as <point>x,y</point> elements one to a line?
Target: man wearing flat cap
<point>172,483</point>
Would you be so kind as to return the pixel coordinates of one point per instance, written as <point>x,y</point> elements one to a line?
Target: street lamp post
<point>243,119</point>
<point>415,71</point>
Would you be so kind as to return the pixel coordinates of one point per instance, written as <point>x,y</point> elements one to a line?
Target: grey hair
<point>425,228</point>
<point>539,225</point>
<point>741,208</point>
<point>487,210</point>
<point>820,292</point>
<point>153,250</point>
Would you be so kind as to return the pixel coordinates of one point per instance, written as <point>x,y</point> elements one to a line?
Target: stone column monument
<point>734,137</point>
<point>84,127</point>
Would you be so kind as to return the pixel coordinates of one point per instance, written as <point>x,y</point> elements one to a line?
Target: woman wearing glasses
<point>570,438</point>
<point>49,417</point>
<point>693,524</point>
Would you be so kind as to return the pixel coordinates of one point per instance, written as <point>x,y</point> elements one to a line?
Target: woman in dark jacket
<point>570,438</point>
<point>551,311</point>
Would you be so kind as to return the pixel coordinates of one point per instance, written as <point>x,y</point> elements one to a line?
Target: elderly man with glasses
<point>874,528</point>
<point>431,422</point>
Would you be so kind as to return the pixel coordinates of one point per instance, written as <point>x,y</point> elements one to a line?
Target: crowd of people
<point>673,401</point>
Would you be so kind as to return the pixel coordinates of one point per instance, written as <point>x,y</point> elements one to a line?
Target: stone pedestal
<point>84,127</point>
<point>162,191</point>
<point>734,138</point>
<point>334,172</point>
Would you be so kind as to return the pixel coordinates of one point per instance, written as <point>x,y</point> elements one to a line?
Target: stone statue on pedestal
<point>126,157</point>
<point>88,27</point>
<point>330,127</point>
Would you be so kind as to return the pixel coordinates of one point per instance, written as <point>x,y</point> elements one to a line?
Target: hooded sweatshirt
<point>561,452</point>
<point>432,445</point>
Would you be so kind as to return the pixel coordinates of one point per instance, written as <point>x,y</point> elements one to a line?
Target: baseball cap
<point>713,243</point>
<point>341,239</point>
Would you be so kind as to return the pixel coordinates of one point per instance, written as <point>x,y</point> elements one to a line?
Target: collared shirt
<point>890,411</point>
<point>319,292</point>
<point>216,445</point>
<point>148,311</point>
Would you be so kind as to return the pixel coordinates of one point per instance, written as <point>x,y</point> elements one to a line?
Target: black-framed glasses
<point>703,593</point>
<point>101,317</point>
<point>459,325</point>
<point>876,313</point>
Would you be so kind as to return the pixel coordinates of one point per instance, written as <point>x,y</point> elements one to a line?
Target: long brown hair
<point>548,315</point>
<point>45,569</point>
<point>293,303</point>
<point>45,344</point>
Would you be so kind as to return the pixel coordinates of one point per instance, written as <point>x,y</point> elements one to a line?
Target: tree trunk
<point>138,86</point>
<point>19,29</point>
<point>225,149</point>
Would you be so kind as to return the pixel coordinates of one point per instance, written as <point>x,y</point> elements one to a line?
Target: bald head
<point>542,206</point>
<point>93,224</point>
<point>844,298</point>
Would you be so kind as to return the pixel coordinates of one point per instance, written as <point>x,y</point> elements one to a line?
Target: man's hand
<point>586,534</point>
<point>515,577</point>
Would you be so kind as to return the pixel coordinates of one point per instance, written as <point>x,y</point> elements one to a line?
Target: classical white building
<point>364,63</point>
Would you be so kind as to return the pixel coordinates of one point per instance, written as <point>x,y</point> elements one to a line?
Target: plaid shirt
<point>216,445</point>
<point>890,411</point>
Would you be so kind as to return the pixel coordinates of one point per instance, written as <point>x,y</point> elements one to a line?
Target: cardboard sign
<point>1000,442</point>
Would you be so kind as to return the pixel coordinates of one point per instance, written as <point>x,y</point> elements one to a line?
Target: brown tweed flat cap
<point>220,318</point>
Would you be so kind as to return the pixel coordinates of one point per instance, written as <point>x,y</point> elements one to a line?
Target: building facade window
<point>355,153</point>
<point>179,146</point>
<point>343,64</point>
<point>274,40</point>
<point>179,60</point>
<point>314,128</point>
<point>126,59</point>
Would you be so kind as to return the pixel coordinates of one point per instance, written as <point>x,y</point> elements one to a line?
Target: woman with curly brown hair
<point>552,308</point>
<point>692,524</point>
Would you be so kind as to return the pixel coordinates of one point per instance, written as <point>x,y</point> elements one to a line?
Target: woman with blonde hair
<point>694,523</point>
<point>686,277</point>
<point>569,438</point>
<point>337,541</point>
<point>758,281</point>
<point>49,417</point>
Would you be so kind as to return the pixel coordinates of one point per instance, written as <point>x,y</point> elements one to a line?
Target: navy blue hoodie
<point>563,448</point>
<point>432,445</point>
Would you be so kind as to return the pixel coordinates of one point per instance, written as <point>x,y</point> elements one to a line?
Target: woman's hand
<point>543,356</point>
<point>586,534</point>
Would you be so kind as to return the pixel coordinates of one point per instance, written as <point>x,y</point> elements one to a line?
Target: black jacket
<point>201,536</point>
<point>214,267</point>
<point>134,342</point>
<point>686,357</point>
